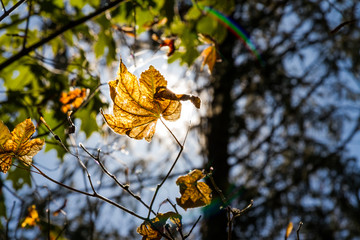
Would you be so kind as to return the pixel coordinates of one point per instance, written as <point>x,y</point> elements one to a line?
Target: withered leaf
<point>152,230</point>
<point>32,218</point>
<point>209,56</point>
<point>17,144</point>
<point>165,42</point>
<point>193,193</point>
<point>138,104</point>
<point>169,42</point>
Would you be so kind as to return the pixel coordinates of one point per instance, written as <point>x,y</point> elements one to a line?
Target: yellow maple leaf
<point>17,144</point>
<point>193,193</point>
<point>139,104</point>
<point>32,218</point>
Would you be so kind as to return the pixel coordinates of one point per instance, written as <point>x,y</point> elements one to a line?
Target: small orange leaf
<point>209,56</point>
<point>72,99</point>
<point>17,144</point>
<point>289,230</point>
<point>32,218</point>
<point>138,104</point>
<point>169,42</point>
<point>193,193</point>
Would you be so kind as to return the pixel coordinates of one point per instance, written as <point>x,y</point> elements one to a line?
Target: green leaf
<point>193,14</point>
<point>59,3</point>
<point>78,3</point>
<point>206,25</point>
<point>88,119</point>
<point>99,46</point>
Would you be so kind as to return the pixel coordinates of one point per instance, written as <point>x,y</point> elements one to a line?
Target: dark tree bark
<point>218,137</point>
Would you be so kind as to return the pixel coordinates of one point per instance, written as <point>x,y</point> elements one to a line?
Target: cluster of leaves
<point>32,218</point>
<point>73,99</point>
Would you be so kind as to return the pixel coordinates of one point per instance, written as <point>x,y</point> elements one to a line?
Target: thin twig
<point>94,194</point>
<point>234,213</point>
<point>7,13</point>
<point>27,24</point>
<point>217,189</point>
<point>104,169</point>
<point>335,30</point>
<point>65,28</point>
<point>3,6</point>
<point>298,230</point>
<point>170,170</point>
<point>192,228</point>
<point>83,165</point>
<point>230,222</point>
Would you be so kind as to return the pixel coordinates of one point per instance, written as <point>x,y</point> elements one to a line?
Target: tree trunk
<point>217,133</point>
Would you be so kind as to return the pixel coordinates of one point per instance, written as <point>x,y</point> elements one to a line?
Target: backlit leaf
<point>289,230</point>
<point>209,57</point>
<point>193,193</point>
<point>139,104</point>
<point>17,144</point>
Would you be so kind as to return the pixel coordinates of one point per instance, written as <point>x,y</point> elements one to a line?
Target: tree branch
<point>7,13</point>
<point>69,26</point>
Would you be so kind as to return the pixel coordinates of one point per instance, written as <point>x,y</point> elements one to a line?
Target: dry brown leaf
<point>169,42</point>
<point>152,230</point>
<point>17,144</point>
<point>193,193</point>
<point>32,218</point>
<point>138,104</point>
<point>72,99</point>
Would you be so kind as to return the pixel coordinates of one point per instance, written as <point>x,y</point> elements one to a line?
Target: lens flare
<point>238,31</point>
